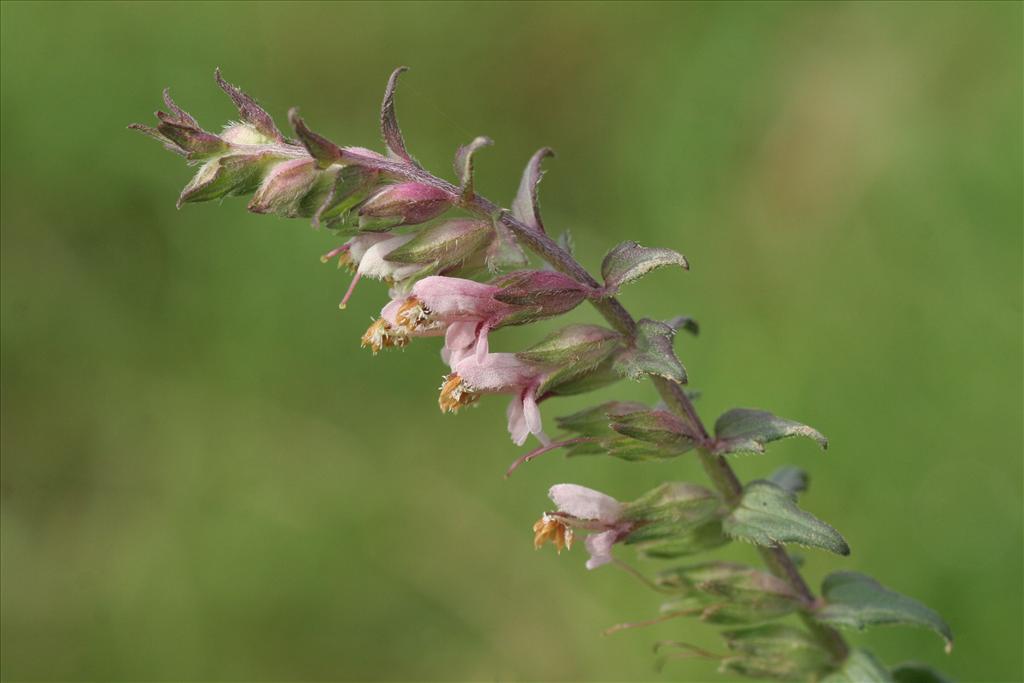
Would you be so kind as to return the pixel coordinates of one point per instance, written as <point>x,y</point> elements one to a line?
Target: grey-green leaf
<point>767,515</point>
<point>793,479</point>
<point>860,667</point>
<point>855,600</point>
<point>650,352</point>
<point>745,430</point>
<point>629,261</point>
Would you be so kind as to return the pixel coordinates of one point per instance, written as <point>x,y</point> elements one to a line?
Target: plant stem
<point>716,467</point>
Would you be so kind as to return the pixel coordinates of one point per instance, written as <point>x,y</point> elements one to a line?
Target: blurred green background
<point>204,477</point>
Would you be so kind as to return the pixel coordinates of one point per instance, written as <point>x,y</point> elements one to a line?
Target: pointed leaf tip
<point>746,430</point>
<point>389,129</point>
<point>629,261</point>
<point>464,163</point>
<point>767,515</point>
<point>248,110</point>
<point>526,206</point>
<point>855,600</point>
<point>323,150</point>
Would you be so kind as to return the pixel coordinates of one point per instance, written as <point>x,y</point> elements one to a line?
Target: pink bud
<point>284,187</point>
<point>403,204</point>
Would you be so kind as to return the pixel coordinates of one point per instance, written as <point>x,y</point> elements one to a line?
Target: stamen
<point>551,528</point>
<point>380,335</point>
<point>412,314</point>
<point>455,394</point>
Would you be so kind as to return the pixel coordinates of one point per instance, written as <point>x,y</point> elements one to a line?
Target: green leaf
<point>768,516</point>
<point>860,667</point>
<point>629,261</point>
<point>855,600</point>
<point>650,352</point>
<point>790,478</point>
<point>745,430</point>
<point>913,672</point>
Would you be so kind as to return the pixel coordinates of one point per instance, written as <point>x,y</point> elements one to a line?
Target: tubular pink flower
<point>498,373</point>
<point>580,507</point>
<point>464,310</point>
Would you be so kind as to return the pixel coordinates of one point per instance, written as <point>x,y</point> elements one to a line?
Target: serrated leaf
<point>526,207</point>
<point>914,672</point>
<point>767,515</point>
<point>629,261</point>
<point>790,478</point>
<point>650,352</point>
<point>860,667</point>
<point>464,164</point>
<point>855,600</point>
<point>249,111</point>
<point>389,129</point>
<point>746,430</point>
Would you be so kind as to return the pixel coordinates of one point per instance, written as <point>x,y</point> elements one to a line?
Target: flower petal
<point>517,426</point>
<point>497,373</point>
<point>600,548</point>
<point>459,341</point>
<point>584,503</point>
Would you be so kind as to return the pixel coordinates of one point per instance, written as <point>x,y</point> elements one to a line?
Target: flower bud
<point>446,245</point>
<point>575,351</point>
<point>285,188</point>
<point>403,204</point>
<point>539,294</point>
<point>233,174</point>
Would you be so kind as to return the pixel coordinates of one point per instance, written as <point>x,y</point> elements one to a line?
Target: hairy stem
<point>718,470</point>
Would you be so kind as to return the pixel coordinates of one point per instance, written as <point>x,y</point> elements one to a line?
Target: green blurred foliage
<point>204,477</point>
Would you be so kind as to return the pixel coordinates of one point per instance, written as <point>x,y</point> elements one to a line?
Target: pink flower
<point>583,508</point>
<point>498,373</point>
<point>463,310</point>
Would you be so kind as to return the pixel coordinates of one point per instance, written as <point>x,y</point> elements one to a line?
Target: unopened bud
<point>403,204</point>
<point>285,188</point>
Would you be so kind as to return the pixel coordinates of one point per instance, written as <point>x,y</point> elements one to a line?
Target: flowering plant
<point>462,278</point>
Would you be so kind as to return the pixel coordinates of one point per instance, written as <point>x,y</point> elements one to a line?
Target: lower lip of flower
<point>455,394</point>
